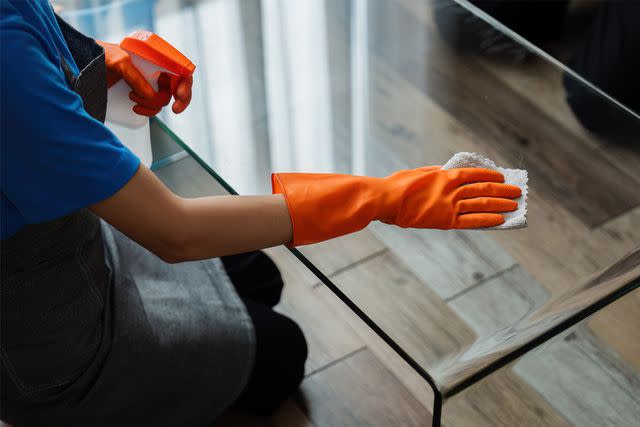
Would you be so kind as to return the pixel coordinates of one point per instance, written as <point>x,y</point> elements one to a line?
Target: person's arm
<point>308,208</point>
<point>178,229</point>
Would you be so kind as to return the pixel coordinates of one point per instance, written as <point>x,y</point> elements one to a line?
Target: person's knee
<point>280,356</point>
<point>275,283</point>
<point>292,352</point>
<point>255,276</point>
<point>267,281</point>
<point>299,352</point>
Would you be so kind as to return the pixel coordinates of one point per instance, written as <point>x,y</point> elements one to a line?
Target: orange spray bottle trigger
<point>153,48</point>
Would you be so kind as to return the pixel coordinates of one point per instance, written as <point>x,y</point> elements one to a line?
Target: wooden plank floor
<point>584,215</point>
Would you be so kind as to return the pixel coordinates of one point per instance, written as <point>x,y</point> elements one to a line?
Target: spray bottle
<point>152,56</point>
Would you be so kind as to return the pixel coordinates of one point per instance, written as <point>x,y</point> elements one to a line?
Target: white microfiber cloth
<point>517,177</point>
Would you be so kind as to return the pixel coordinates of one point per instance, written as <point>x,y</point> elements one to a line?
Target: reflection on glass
<point>359,82</point>
<point>225,70</point>
<point>574,379</point>
<point>298,93</point>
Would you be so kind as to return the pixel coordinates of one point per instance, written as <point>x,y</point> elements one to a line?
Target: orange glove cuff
<point>317,204</point>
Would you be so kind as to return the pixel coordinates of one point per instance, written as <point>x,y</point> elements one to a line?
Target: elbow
<point>170,257</point>
<point>173,250</point>
<point>173,254</point>
<point>172,244</point>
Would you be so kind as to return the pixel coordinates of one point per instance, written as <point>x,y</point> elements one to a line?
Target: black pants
<point>608,55</point>
<point>281,349</point>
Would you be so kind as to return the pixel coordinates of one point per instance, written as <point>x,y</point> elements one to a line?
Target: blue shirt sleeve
<point>56,159</point>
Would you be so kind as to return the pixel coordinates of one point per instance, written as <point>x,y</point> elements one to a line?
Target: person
<point>605,55</point>
<point>125,304</point>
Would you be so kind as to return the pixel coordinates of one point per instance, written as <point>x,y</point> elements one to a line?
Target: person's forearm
<point>314,207</point>
<point>223,225</point>
<point>178,229</point>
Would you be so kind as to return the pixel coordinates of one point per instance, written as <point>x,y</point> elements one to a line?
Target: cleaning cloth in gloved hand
<point>517,177</point>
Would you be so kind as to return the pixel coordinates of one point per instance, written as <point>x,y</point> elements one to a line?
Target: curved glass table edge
<point>493,22</point>
<point>511,354</point>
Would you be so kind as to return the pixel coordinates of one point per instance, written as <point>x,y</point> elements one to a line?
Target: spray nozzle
<point>155,49</point>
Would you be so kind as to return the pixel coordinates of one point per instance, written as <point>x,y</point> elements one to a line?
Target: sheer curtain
<point>279,85</point>
<point>263,96</point>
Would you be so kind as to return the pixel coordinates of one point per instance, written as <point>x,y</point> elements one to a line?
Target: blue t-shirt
<point>55,159</point>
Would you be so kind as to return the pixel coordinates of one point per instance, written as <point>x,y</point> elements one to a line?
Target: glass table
<point>373,86</point>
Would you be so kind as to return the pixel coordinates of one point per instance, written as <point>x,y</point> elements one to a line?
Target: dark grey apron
<point>96,330</point>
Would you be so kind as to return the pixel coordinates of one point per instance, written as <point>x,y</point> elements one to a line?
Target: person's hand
<point>181,93</point>
<point>446,199</point>
<point>180,88</point>
<point>323,206</point>
<point>148,102</point>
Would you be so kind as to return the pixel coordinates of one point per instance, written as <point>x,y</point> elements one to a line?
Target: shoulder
<point>19,14</point>
<point>10,18</point>
<point>23,26</point>
<point>31,74</point>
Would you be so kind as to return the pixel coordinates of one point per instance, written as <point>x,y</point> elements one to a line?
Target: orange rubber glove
<point>148,102</point>
<point>324,206</point>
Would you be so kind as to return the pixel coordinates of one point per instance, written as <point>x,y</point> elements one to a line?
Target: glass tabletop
<point>575,378</point>
<point>373,86</point>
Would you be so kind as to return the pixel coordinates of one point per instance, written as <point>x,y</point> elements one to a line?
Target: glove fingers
<point>144,111</point>
<point>181,104</point>
<point>159,100</point>
<point>164,82</point>
<point>182,95</point>
<point>469,175</point>
<point>478,220</point>
<point>183,91</point>
<point>488,189</point>
<point>487,204</point>
<point>136,81</point>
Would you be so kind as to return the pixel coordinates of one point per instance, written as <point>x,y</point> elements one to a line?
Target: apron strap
<point>91,84</point>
